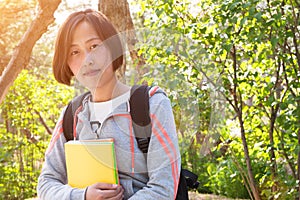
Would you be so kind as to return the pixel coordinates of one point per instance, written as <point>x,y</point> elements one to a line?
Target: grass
<point>197,196</point>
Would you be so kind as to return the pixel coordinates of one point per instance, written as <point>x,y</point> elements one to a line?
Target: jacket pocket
<point>127,186</point>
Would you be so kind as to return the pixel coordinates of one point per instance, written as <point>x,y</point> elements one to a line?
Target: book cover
<point>91,161</point>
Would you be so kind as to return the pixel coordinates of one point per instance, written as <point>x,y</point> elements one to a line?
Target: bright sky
<point>68,6</point>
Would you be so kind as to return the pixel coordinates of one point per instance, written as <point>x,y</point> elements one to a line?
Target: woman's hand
<point>101,191</point>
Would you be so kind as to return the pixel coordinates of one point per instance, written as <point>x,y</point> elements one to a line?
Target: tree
<point>21,55</point>
<point>247,53</point>
<point>10,29</point>
<point>258,58</point>
<point>118,13</point>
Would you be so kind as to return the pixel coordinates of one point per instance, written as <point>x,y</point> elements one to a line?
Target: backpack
<point>139,111</point>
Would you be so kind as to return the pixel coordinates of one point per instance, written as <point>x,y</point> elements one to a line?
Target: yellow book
<point>91,161</point>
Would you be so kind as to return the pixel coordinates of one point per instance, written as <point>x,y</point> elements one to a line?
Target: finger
<point>109,193</point>
<point>105,186</point>
<point>119,196</point>
<point>112,193</point>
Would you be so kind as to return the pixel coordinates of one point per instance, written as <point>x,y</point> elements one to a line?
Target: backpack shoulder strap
<point>139,111</point>
<point>141,122</point>
<point>68,119</point>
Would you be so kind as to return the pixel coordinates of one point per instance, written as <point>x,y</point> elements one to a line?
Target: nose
<point>88,60</point>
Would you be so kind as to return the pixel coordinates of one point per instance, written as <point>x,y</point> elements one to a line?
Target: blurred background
<point>231,69</point>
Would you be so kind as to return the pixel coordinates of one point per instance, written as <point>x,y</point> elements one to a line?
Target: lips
<point>92,72</point>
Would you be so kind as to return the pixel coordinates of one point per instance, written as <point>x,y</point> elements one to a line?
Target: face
<point>89,59</point>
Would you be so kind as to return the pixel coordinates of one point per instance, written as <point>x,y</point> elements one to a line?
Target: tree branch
<point>22,53</point>
<point>49,131</point>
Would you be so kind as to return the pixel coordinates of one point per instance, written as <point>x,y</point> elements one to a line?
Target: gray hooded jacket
<point>154,178</point>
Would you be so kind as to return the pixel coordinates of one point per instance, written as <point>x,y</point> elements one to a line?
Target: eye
<point>94,46</point>
<point>74,52</point>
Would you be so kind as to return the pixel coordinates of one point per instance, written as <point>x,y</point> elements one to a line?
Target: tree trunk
<point>237,105</point>
<point>117,11</point>
<point>253,185</point>
<point>273,166</point>
<point>22,53</point>
<point>298,165</point>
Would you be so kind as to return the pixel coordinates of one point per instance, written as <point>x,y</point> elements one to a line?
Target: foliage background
<point>231,69</point>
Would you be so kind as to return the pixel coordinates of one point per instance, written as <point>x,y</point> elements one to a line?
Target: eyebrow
<point>89,40</point>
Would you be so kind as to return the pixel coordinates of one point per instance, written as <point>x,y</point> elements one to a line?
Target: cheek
<point>74,66</point>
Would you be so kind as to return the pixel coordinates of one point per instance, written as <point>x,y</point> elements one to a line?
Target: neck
<point>109,91</point>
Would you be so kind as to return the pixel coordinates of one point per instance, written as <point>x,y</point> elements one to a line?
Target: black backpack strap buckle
<point>191,179</point>
<point>143,144</point>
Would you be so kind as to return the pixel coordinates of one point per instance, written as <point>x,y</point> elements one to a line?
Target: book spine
<point>115,163</point>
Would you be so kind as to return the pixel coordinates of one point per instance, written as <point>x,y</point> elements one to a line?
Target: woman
<point>89,48</point>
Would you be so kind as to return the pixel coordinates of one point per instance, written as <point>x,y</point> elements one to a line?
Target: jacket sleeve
<point>163,159</point>
<point>52,182</point>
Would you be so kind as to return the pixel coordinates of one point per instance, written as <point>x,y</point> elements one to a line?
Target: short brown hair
<point>105,31</point>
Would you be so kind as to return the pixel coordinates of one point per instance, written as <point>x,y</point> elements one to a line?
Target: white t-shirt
<point>100,110</point>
